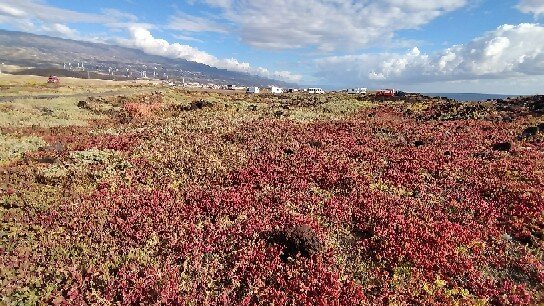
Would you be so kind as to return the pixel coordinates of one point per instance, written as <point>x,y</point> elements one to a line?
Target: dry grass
<point>28,85</point>
<point>333,110</point>
<point>43,113</point>
<point>236,109</point>
<point>9,79</point>
<point>12,147</point>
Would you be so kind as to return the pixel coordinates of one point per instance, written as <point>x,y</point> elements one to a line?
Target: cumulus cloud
<point>535,7</point>
<point>327,24</point>
<point>60,29</point>
<point>25,21</point>
<point>509,51</point>
<point>37,17</point>
<point>141,38</point>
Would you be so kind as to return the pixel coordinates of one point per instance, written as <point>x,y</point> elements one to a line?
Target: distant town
<point>189,79</point>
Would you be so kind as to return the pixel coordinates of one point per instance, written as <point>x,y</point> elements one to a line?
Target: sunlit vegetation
<point>192,198</point>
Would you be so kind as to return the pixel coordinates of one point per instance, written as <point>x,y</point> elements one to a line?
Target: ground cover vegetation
<point>189,198</point>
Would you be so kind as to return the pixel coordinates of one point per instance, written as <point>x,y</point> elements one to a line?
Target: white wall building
<point>356,91</point>
<point>276,90</point>
<point>253,90</point>
<point>316,91</point>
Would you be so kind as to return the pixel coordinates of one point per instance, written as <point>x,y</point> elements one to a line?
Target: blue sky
<point>435,45</point>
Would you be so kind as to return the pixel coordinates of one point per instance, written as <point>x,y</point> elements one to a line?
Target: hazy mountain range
<point>44,54</point>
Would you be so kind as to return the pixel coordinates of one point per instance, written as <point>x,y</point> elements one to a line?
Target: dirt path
<point>78,95</point>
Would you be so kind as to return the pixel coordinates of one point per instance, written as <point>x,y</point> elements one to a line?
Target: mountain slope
<point>44,52</point>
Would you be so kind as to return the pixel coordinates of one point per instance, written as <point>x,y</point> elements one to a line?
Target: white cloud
<point>18,23</point>
<point>184,22</point>
<point>141,38</point>
<point>37,17</point>
<point>47,13</point>
<point>535,7</point>
<point>119,15</point>
<point>11,11</point>
<point>60,29</point>
<point>187,38</point>
<point>509,51</point>
<point>328,24</point>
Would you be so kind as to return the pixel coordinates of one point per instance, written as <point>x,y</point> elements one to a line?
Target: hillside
<point>44,53</point>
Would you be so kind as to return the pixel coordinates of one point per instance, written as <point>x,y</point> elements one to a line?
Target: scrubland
<point>175,197</point>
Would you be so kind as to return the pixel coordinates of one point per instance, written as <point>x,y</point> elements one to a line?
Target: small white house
<point>253,90</point>
<point>316,91</point>
<point>357,91</point>
<point>276,90</point>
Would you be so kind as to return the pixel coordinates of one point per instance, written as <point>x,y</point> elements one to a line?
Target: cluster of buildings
<point>271,89</point>
<point>196,80</point>
<point>310,90</point>
<point>276,90</point>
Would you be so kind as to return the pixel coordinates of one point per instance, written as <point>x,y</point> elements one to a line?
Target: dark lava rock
<point>502,146</point>
<point>316,144</point>
<point>288,151</point>
<point>47,160</point>
<point>200,104</point>
<point>297,239</point>
<point>195,105</point>
<point>507,119</point>
<point>82,104</point>
<point>344,186</point>
<point>46,111</point>
<point>529,132</point>
<point>363,234</point>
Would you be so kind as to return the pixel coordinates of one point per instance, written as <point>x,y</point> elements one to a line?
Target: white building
<point>356,91</point>
<point>276,90</point>
<point>253,90</point>
<point>316,91</point>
